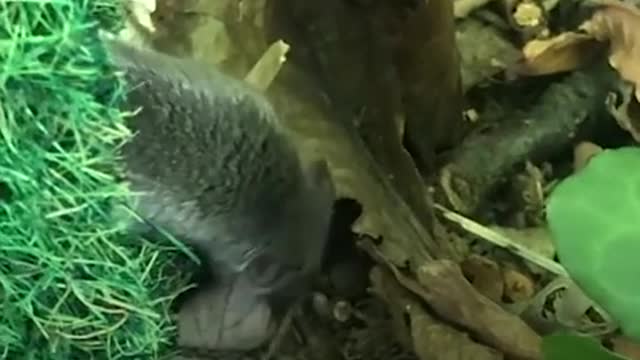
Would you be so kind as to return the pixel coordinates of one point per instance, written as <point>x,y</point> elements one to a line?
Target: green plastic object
<point>594,217</point>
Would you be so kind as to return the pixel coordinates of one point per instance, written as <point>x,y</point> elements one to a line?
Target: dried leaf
<point>397,299</point>
<point>562,305</point>
<point>582,153</point>
<point>626,110</point>
<point>355,174</point>
<point>564,52</point>
<point>485,318</point>
<point>484,274</point>
<point>619,23</point>
<point>443,287</point>
<point>518,286</point>
<point>436,341</point>
<point>431,339</point>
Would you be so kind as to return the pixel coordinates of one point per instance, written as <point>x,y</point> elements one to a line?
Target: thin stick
<point>502,241</point>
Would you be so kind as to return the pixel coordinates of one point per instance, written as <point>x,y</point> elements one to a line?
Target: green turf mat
<point>72,285</point>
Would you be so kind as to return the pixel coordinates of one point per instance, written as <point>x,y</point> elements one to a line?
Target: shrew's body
<point>215,171</point>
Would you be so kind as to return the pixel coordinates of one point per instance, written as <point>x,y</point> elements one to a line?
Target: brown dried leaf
<point>518,286</point>
<point>562,305</point>
<point>564,52</point>
<point>437,341</point>
<point>430,338</point>
<point>443,287</point>
<point>451,294</point>
<point>398,299</point>
<point>582,153</point>
<point>484,274</point>
<point>624,107</point>
<point>619,23</point>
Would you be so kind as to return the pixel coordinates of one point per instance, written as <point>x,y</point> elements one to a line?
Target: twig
<point>502,241</point>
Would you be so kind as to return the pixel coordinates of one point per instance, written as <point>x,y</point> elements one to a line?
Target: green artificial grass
<point>72,284</point>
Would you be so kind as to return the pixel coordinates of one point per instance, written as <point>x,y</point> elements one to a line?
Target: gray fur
<point>216,172</point>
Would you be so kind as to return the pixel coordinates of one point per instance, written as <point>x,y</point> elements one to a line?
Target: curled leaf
<point>625,109</point>
<point>619,23</point>
<point>583,152</point>
<point>564,52</point>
